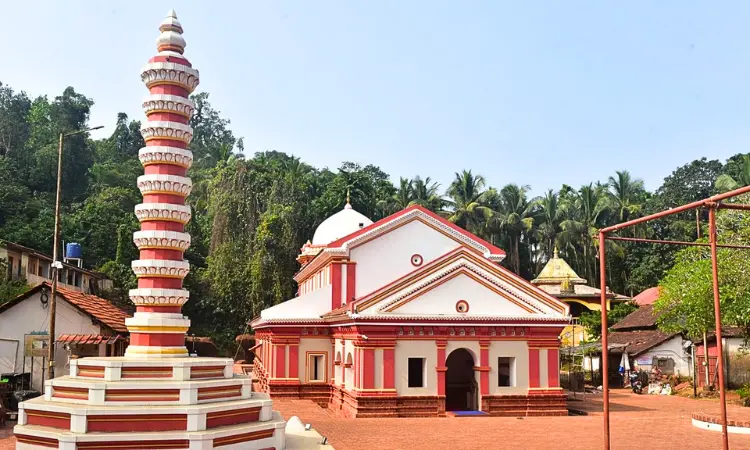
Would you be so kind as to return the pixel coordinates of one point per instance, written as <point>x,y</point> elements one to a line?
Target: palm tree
<point>726,183</point>
<point>425,193</point>
<point>623,193</point>
<point>400,199</point>
<point>514,215</point>
<point>549,216</point>
<point>583,213</point>
<point>467,208</point>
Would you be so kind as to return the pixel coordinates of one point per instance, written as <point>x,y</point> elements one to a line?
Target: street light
<point>57,265</point>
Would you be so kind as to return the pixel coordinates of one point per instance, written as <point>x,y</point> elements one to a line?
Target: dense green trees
<point>252,214</point>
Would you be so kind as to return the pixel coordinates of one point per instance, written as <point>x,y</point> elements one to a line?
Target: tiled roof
<point>642,318</point>
<point>101,309</point>
<point>647,297</point>
<point>638,341</point>
<point>97,307</point>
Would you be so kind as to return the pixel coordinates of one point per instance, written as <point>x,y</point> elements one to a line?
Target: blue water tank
<point>73,250</point>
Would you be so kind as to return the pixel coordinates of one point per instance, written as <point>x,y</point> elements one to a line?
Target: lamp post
<point>57,265</point>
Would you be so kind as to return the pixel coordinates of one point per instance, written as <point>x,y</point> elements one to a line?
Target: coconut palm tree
<point>467,208</point>
<point>425,193</point>
<point>623,194</point>
<point>583,214</point>
<point>514,215</point>
<point>400,199</point>
<point>549,216</point>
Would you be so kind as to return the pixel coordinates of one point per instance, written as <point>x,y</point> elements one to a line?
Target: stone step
<point>146,393</point>
<point>178,369</point>
<point>251,436</point>
<point>81,418</point>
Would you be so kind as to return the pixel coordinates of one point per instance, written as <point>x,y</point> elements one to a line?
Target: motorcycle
<point>635,384</point>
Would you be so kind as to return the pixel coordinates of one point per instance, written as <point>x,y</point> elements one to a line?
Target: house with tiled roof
<point>638,335</point>
<point>86,325</point>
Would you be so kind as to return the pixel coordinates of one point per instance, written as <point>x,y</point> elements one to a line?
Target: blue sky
<point>534,92</point>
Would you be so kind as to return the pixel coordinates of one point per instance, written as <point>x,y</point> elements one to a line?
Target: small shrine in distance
<point>559,280</point>
<point>411,316</point>
<point>156,396</point>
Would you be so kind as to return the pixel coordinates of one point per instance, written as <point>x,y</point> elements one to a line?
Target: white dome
<point>341,224</point>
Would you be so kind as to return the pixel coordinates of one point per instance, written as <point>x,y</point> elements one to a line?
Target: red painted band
<point>159,309</point>
<point>164,198</point>
<point>170,89</point>
<point>157,339</point>
<point>165,169</point>
<point>166,143</point>
<point>161,253</point>
<point>168,117</point>
<point>162,225</point>
<point>160,283</point>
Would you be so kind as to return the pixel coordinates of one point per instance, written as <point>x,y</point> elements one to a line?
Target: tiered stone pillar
<point>158,326</point>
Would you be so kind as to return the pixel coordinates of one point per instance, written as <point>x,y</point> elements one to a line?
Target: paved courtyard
<point>660,422</point>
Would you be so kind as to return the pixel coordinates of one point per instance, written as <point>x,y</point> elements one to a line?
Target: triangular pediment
<point>462,292</point>
<point>486,288</point>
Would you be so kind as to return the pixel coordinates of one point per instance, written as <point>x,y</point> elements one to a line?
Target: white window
<point>316,367</point>
<point>506,371</point>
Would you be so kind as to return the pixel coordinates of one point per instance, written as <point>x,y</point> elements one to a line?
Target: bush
<point>744,393</point>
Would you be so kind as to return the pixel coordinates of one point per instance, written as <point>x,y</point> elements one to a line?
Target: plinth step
<point>146,393</point>
<point>82,418</point>
<point>252,436</point>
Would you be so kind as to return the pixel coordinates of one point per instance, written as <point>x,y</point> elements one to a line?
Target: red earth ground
<point>643,421</point>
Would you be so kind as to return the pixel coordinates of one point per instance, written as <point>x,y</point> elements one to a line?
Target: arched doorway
<point>460,383</point>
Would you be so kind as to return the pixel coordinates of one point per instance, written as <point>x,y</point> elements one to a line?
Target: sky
<point>537,92</point>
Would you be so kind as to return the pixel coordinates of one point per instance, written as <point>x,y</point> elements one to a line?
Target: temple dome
<point>341,224</point>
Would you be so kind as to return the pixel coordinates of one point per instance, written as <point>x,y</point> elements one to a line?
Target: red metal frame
<point>712,203</point>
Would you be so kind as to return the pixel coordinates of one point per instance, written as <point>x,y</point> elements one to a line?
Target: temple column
<point>368,368</point>
<point>441,369</point>
<point>294,360</point>
<point>484,367</point>
<point>389,368</point>
<point>279,361</point>
<point>553,368</point>
<point>533,368</point>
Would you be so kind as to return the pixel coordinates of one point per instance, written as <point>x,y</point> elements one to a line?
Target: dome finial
<point>170,39</point>
<point>348,199</point>
<point>555,255</point>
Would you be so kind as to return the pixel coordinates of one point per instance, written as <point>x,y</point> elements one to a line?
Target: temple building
<point>411,316</point>
<point>156,396</point>
<point>559,280</point>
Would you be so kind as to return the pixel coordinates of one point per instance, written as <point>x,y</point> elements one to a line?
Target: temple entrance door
<point>460,382</point>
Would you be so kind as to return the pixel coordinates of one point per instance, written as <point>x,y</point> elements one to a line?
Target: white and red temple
<point>156,396</point>
<point>411,316</point>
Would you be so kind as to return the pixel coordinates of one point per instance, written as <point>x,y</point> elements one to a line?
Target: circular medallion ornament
<point>462,306</point>
<point>416,260</point>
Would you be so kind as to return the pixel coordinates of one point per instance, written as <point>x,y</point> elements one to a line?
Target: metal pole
<point>679,209</point>
<point>53,295</point>
<point>691,244</point>
<point>605,349</point>
<point>717,311</point>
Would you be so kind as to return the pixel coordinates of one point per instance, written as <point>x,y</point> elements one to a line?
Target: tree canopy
<point>252,213</point>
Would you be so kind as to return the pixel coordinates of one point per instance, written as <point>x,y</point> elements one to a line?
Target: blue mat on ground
<point>469,413</point>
